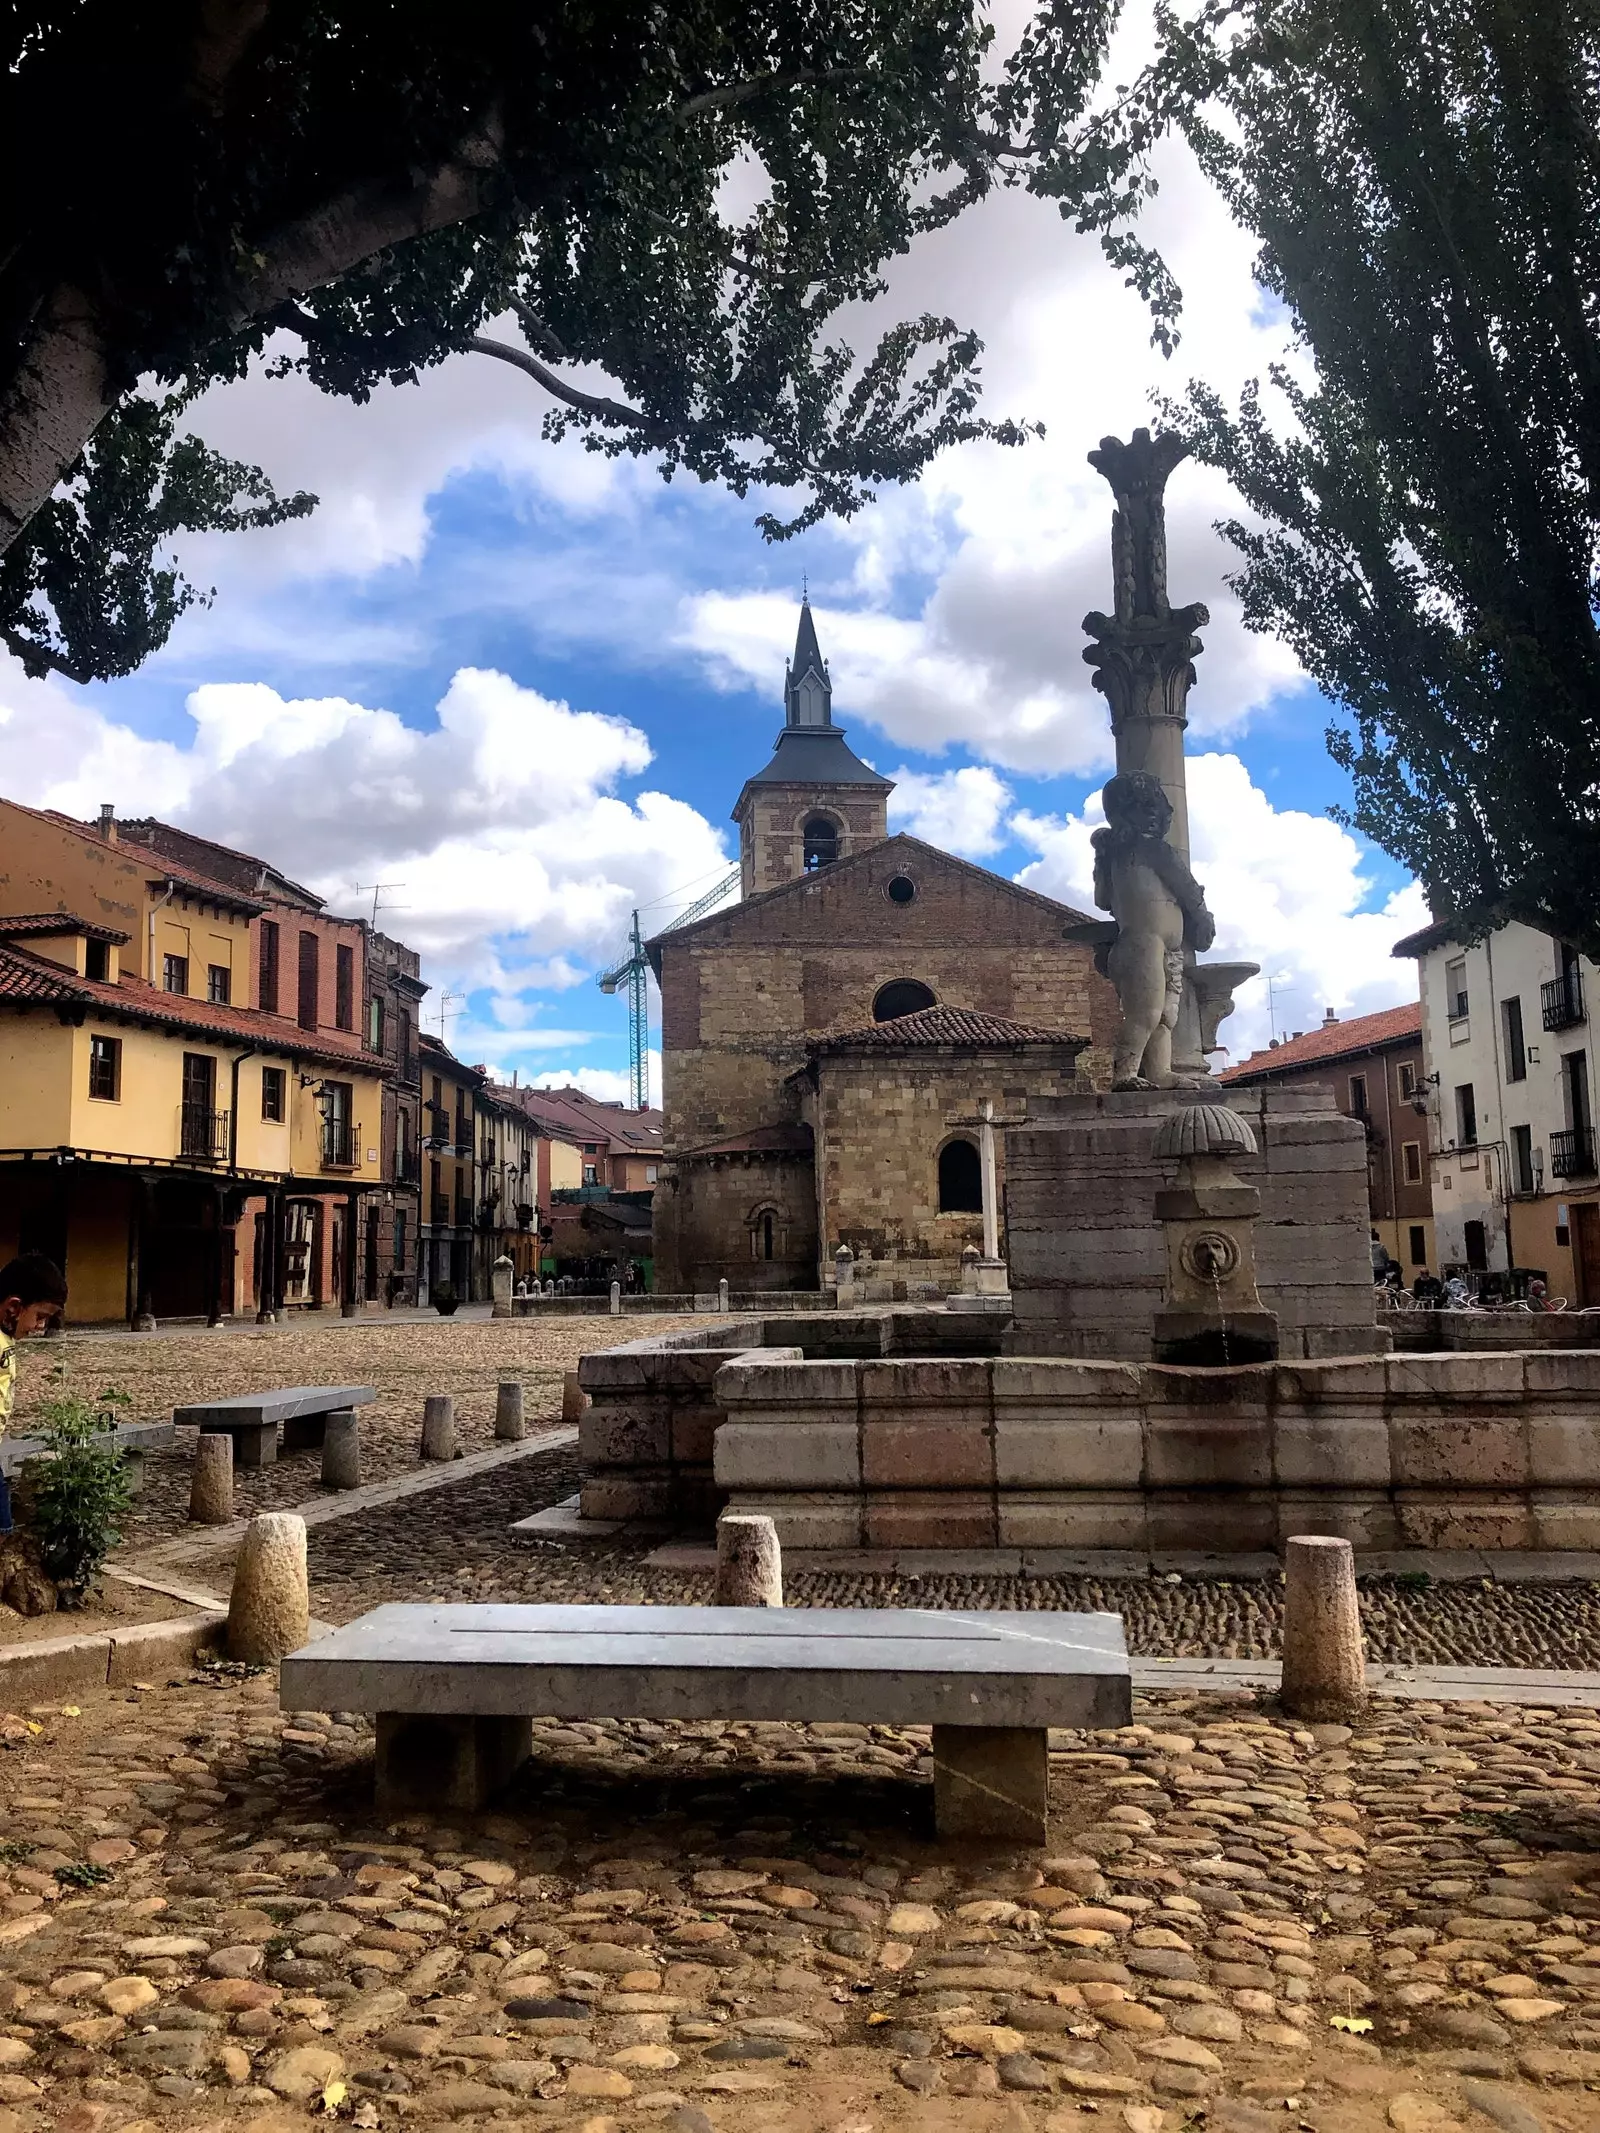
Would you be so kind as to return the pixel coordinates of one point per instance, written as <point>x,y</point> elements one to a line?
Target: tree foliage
<point>674,202</point>
<point>1424,180</point>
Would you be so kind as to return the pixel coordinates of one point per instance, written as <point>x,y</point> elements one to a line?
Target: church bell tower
<point>816,801</point>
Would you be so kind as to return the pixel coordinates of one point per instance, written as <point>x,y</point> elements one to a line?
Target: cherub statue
<point>1160,909</point>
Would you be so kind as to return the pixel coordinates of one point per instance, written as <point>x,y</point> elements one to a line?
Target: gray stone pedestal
<point>1088,1255</point>
<point>341,1451</point>
<point>440,1764</point>
<point>991,1781</point>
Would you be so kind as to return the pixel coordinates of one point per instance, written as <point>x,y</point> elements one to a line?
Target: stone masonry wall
<point>1436,1452</point>
<point>881,1120</point>
<point>703,1215</point>
<point>1088,1257</point>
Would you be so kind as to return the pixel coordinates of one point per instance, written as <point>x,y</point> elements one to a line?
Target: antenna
<point>377,888</point>
<point>449,1002</point>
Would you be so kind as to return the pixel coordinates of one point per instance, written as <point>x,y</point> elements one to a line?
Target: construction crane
<point>633,972</point>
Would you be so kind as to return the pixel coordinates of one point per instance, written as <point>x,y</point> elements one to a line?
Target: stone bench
<point>252,1418</point>
<point>454,1688</point>
<point>132,1439</point>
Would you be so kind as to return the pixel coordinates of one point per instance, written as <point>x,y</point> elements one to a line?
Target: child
<point>33,1291</point>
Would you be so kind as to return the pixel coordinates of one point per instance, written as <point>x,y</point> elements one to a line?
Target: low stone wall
<point>1400,1451</point>
<point>1489,1332</point>
<point>645,1440</point>
<point>646,1305</point>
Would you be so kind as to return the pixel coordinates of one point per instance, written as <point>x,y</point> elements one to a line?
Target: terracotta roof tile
<point>941,1025</point>
<point>24,976</point>
<point>18,926</point>
<point>1334,1040</point>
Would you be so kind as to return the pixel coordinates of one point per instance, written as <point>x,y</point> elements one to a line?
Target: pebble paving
<point>1239,1925</point>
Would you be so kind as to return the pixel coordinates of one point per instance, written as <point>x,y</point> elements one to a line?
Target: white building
<point>1509,1075</point>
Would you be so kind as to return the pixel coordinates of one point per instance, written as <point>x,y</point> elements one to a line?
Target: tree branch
<point>569,395</point>
<point>744,92</point>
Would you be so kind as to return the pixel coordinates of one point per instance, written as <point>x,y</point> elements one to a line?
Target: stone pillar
<point>616,1299</point>
<point>211,1480</point>
<point>269,1607</point>
<point>991,1191</point>
<point>722,1295</point>
<point>439,1426</point>
<point>844,1277</point>
<point>573,1398</point>
<point>341,1451</point>
<point>269,1253</point>
<point>1324,1665</point>
<point>971,1260</point>
<point>508,1416</point>
<point>749,1561</point>
<point>500,1278</point>
<point>991,1782</point>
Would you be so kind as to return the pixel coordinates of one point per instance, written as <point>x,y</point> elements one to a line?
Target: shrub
<point>80,1490</point>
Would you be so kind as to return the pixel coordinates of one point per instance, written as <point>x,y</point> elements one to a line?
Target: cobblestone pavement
<point>404,1360</point>
<point>722,1927</point>
<point>455,1543</point>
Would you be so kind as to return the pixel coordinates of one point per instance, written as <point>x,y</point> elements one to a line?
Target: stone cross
<point>991,1196</point>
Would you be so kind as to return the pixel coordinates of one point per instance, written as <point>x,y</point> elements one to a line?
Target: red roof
<point>24,976</point>
<point>1334,1040</point>
<point>571,1115</point>
<point>942,1025</point>
<point>157,865</point>
<point>18,926</point>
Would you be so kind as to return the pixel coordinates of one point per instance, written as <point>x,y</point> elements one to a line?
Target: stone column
<point>991,1194</point>
<point>269,1256</point>
<point>616,1299</point>
<point>211,1480</point>
<point>508,1414</point>
<point>749,1561</point>
<point>269,1610</point>
<point>341,1450</point>
<point>439,1426</point>
<point>501,1274</point>
<point>844,1277</point>
<point>1324,1665</point>
<point>722,1296</point>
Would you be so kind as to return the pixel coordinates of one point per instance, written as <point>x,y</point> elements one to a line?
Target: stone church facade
<point>827,1041</point>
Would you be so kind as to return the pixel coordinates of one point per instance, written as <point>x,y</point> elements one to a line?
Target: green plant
<point>80,1490</point>
<point>80,1875</point>
<point>16,1849</point>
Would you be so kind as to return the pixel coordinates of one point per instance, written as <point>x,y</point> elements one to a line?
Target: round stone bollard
<point>341,1451</point>
<point>749,1561</point>
<point>616,1299</point>
<point>439,1426</point>
<point>508,1418</point>
<point>722,1296</point>
<point>573,1398</point>
<point>269,1608</point>
<point>1324,1666</point>
<point>211,1480</point>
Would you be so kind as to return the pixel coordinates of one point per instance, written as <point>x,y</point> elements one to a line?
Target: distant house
<point>596,1165</point>
<point>1510,1084</point>
<point>1374,1066</point>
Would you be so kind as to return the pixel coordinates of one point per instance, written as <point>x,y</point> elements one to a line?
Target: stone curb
<point>1409,1684</point>
<point>52,1666</point>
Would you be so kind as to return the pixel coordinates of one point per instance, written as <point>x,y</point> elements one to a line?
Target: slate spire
<point>807,690</point>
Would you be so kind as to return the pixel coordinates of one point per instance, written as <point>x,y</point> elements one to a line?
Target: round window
<point>902,889</point>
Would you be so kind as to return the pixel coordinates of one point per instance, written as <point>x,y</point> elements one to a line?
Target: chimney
<point>1329,1019</point>
<point>108,821</point>
<point>1295,1035</point>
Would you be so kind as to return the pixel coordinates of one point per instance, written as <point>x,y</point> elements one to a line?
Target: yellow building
<point>144,1098</point>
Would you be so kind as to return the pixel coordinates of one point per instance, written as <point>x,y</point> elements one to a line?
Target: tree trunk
<point>51,408</point>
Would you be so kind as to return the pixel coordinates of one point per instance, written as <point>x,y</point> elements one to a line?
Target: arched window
<point>960,1181</point>
<point>767,1239</point>
<point>820,840</point>
<point>904,996</point>
<point>766,1234</point>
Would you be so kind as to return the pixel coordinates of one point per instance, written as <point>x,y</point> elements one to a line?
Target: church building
<point>828,1041</point>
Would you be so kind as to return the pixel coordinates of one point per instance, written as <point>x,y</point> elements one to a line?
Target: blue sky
<point>524,684</point>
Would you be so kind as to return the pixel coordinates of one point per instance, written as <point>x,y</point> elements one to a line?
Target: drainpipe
<point>233,1108</point>
<point>160,904</point>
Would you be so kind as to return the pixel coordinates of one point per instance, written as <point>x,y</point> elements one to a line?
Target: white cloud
<point>1288,893</point>
<point>512,862</point>
<point>958,810</point>
<point>608,1085</point>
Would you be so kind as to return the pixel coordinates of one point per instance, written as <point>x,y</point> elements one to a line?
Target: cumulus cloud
<point>609,1085</point>
<point>1288,892</point>
<point>510,859</point>
<point>958,810</point>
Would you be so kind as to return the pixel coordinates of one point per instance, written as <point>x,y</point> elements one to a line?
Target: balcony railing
<point>441,1210</point>
<point>408,1169</point>
<point>1562,1001</point>
<point>202,1135</point>
<point>339,1144</point>
<point>1572,1153</point>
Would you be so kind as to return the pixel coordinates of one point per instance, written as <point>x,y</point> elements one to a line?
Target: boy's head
<point>33,1290</point>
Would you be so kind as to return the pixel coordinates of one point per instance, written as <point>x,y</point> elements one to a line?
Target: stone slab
<point>913,1667</point>
<point>127,1437</point>
<point>251,1409</point>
